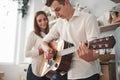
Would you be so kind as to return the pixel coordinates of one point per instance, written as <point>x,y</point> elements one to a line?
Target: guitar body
<point>65,63</point>
<point>58,63</point>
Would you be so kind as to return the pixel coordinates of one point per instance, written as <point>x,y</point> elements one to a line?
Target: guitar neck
<point>67,51</point>
<point>101,43</point>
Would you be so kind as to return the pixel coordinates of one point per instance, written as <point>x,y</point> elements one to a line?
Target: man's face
<point>59,9</point>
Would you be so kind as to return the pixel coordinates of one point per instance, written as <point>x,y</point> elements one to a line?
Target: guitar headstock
<point>102,43</point>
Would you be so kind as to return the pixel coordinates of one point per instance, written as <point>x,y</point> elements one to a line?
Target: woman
<point>33,47</point>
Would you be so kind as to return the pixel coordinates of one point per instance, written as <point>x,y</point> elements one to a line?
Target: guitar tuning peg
<point>100,39</point>
<point>106,45</point>
<point>106,38</point>
<point>98,51</point>
<point>105,51</point>
<point>94,46</point>
<point>100,46</point>
<point>109,51</point>
<point>94,41</point>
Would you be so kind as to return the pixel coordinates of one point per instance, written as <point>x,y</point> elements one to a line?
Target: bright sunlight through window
<point>8,22</point>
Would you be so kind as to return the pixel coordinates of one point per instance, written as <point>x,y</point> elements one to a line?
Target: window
<point>8,22</point>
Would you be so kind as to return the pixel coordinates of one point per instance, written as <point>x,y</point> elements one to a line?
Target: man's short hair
<point>49,2</point>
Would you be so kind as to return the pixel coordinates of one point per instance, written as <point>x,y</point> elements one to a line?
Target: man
<point>75,27</point>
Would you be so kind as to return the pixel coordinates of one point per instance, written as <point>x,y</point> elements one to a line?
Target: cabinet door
<point>105,72</point>
<point>112,70</point>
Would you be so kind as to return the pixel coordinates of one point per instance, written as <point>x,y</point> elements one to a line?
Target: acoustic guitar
<point>64,52</point>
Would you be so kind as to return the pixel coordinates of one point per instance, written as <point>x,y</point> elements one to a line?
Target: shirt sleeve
<point>30,50</point>
<point>53,33</point>
<point>92,28</point>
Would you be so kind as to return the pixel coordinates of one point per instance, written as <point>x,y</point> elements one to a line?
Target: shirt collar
<point>76,12</point>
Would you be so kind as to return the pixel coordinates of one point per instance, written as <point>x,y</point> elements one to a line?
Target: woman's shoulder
<point>32,33</point>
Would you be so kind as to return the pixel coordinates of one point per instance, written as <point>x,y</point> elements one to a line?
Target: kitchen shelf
<point>109,27</point>
<point>107,57</point>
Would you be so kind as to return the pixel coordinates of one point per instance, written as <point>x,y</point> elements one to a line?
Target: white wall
<point>12,71</point>
<point>98,7</point>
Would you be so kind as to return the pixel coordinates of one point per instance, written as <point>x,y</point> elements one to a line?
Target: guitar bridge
<point>56,65</point>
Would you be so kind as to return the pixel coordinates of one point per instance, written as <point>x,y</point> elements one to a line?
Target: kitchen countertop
<point>105,58</point>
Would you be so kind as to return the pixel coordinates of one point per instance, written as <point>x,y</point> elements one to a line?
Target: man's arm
<point>48,51</point>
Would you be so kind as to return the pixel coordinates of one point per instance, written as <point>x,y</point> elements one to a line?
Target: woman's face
<point>42,22</point>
